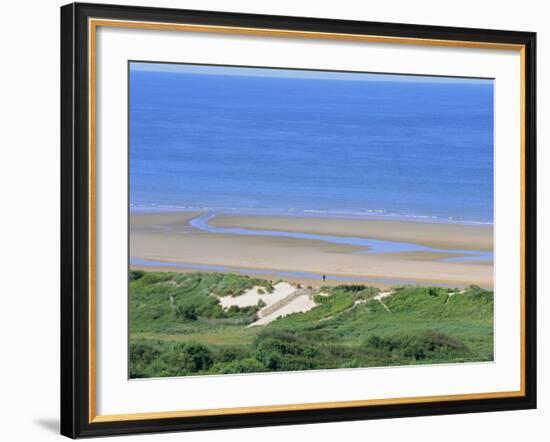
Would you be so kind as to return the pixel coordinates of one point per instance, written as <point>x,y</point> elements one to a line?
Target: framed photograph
<point>274,220</point>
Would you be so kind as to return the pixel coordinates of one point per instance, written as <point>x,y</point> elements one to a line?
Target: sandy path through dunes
<point>299,304</point>
<point>252,297</point>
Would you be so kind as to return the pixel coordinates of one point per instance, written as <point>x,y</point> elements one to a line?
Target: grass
<point>178,327</point>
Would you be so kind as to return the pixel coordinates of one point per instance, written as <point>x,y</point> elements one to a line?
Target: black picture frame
<point>75,221</point>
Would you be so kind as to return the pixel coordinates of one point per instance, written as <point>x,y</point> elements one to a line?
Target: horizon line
<point>296,73</point>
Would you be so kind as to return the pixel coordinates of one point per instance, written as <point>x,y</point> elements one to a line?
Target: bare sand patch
<point>299,304</point>
<point>252,296</point>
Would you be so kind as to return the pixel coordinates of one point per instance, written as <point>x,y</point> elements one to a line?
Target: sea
<point>359,145</point>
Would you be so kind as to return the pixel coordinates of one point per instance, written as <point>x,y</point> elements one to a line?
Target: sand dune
<point>252,296</point>
<point>298,304</point>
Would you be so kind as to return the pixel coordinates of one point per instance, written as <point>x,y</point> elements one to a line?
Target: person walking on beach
<point>324,277</point>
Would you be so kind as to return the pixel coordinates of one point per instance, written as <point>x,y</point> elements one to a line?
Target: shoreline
<point>304,281</point>
<point>308,214</point>
<point>314,279</point>
<point>167,237</point>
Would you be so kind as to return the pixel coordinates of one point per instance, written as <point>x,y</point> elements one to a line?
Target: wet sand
<point>437,235</point>
<point>167,238</point>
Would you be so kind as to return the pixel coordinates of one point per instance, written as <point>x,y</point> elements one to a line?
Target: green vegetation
<point>179,328</point>
<point>172,302</point>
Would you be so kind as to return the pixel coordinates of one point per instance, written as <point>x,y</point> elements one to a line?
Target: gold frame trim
<point>93,24</point>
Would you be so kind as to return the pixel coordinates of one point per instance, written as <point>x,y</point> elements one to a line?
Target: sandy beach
<point>168,238</point>
<point>447,236</point>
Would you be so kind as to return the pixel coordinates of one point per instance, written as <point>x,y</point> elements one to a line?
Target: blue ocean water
<point>407,149</point>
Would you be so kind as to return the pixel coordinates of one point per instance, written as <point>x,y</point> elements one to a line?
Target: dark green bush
<point>428,344</point>
<point>190,358</point>
<point>285,351</point>
<point>248,365</point>
<point>187,312</point>
<point>136,274</point>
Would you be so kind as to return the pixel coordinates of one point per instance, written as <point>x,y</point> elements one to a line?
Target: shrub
<point>190,358</point>
<point>136,274</point>
<point>419,346</point>
<point>142,353</point>
<point>230,354</point>
<point>284,351</point>
<point>248,365</point>
<point>142,356</point>
<point>187,312</point>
